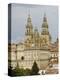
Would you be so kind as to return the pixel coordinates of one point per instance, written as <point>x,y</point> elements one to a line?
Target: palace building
<point>36,46</point>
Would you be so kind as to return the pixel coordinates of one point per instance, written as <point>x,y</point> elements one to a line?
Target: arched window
<point>22,58</point>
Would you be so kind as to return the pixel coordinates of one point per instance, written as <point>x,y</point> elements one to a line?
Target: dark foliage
<point>23,72</point>
<point>35,69</point>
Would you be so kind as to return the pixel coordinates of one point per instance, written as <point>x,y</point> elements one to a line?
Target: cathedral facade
<point>35,47</point>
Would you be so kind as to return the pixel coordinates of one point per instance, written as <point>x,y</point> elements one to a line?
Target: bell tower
<point>29,27</point>
<point>29,30</point>
<point>45,26</point>
<point>46,38</point>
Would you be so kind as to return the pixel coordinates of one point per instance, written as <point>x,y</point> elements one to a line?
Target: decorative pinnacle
<point>29,17</point>
<point>45,19</point>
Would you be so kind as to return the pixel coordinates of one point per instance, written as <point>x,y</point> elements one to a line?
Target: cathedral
<point>35,38</point>
<point>36,46</point>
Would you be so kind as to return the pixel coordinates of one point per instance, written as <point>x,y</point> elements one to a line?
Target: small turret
<point>36,37</point>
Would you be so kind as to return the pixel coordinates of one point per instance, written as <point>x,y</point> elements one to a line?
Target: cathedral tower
<point>29,31</point>
<point>29,27</point>
<point>45,26</point>
<point>46,38</point>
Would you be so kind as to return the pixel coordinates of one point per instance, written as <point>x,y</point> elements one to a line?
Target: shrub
<point>35,69</point>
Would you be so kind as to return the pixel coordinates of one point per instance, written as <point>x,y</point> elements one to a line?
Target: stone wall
<point>29,56</point>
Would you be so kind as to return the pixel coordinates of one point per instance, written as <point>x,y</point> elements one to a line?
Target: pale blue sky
<point>19,16</point>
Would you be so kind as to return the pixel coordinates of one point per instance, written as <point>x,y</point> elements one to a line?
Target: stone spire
<point>29,27</point>
<point>29,31</point>
<point>45,26</point>
<point>45,32</point>
<point>44,19</point>
<point>29,21</point>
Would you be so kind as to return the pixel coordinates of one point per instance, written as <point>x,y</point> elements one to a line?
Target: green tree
<point>35,69</point>
<point>19,72</point>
